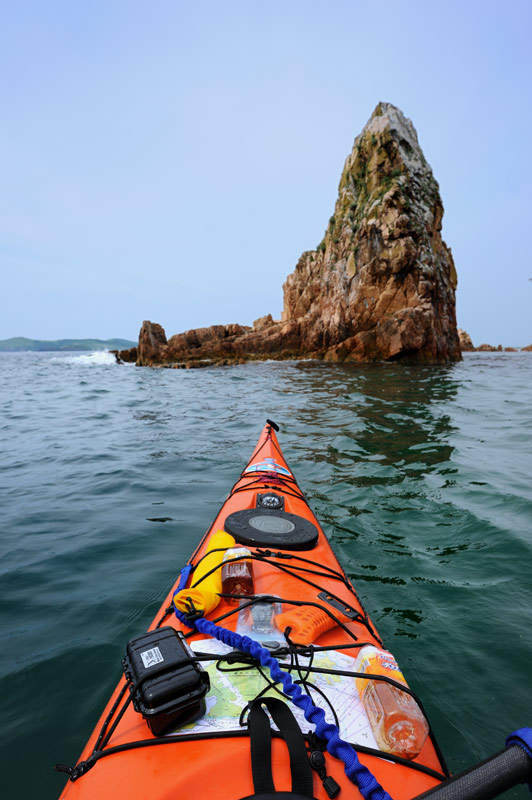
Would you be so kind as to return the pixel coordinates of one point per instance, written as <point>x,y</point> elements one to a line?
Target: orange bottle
<point>397,721</point>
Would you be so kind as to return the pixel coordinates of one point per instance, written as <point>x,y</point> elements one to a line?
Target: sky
<point>170,161</point>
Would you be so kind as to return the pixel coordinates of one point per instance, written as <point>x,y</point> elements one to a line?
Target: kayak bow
<point>177,724</point>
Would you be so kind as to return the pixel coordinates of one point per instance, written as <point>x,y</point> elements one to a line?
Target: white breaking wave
<point>98,358</point>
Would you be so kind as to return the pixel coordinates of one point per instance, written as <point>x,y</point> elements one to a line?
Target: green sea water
<point>109,476</point>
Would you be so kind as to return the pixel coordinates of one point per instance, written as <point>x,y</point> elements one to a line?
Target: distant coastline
<point>19,344</point>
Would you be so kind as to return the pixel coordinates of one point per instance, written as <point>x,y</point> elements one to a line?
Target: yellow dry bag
<point>206,596</point>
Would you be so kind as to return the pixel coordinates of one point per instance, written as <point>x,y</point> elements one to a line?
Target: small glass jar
<point>237,576</point>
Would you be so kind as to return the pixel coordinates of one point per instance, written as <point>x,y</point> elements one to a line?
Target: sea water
<point>421,477</point>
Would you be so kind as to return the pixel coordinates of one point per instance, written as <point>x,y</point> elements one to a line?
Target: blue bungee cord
<point>357,773</point>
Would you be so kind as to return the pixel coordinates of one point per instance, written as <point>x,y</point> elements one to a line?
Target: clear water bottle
<point>237,576</point>
<point>397,721</point>
<point>258,621</point>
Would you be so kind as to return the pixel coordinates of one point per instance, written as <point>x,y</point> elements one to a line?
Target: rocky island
<point>380,286</point>
<point>467,346</point>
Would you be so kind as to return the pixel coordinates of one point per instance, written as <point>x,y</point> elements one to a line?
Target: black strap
<point>261,750</point>
<point>261,754</point>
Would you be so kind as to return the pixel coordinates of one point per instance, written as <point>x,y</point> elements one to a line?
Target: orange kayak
<point>176,725</point>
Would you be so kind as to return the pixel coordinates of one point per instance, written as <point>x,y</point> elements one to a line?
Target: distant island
<point>20,344</point>
<point>467,346</point>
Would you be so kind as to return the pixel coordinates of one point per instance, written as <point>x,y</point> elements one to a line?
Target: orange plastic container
<point>306,623</point>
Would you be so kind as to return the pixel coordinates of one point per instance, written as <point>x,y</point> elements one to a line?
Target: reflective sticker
<point>268,465</point>
<point>151,657</point>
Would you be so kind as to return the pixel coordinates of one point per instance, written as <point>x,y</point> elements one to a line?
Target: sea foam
<point>98,358</point>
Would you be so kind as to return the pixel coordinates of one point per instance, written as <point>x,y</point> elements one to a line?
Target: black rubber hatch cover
<point>261,528</point>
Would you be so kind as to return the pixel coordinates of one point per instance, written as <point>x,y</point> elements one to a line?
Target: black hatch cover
<point>262,528</point>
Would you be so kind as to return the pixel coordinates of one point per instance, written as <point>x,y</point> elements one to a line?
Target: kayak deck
<point>211,755</point>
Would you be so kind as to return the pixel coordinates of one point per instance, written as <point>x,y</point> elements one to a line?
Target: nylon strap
<point>261,756</point>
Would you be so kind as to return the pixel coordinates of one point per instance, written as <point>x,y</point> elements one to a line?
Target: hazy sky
<point>171,160</point>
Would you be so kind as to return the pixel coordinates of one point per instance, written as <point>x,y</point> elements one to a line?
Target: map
<point>231,691</point>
